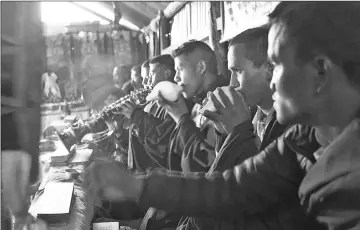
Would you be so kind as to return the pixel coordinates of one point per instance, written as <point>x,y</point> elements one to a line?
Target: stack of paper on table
<point>54,205</point>
<point>81,156</point>
<point>46,145</point>
<point>60,155</point>
<point>106,226</point>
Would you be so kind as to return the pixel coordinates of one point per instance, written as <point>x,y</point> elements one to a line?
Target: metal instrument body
<point>103,120</point>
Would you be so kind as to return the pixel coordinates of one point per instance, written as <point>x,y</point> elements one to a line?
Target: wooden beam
<point>173,8</point>
<point>169,12</point>
<point>164,29</point>
<point>93,12</point>
<point>117,12</point>
<point>214,38</point>
<point>142,8</point>
<point>133,16</point>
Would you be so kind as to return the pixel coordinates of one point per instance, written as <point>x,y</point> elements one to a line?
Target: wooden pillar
<point>214,39</point>
<point>158,36</point>
<point>134,51</point>
<point>156,42</point>
<point>164,26</point>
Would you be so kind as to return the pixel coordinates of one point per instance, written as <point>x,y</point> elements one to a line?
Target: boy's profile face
<point>136,79</point>
<point>186,75</point>
<point>157,74</point>
<point>250,80</point>
<point>145,76</point>
<point>293,84</point>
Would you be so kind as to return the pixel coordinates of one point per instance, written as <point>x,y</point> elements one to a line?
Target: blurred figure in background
<point>122,78</point>
<point>97,81</point>
<point>20,112</point>
<point>51,88</point>
<point>136,78</point>
<point>145,67</point>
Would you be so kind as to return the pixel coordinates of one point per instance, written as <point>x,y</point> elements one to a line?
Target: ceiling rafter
<point>139,13</point>
<point>142,8</point>
<point>132,15</point>
<point>92,12</point>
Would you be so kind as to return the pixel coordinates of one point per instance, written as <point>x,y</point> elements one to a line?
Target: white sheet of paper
<point>106,226</point>
<point>82,155</point>
<point>61,149</point>
<point>56,198</point>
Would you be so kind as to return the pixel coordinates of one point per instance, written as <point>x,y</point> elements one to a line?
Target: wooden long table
<point>82,210</point>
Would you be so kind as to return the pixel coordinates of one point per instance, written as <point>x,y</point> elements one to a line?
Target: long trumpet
<point>101,121</point>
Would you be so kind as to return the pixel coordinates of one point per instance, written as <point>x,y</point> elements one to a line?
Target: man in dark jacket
<point>151,126</point>
<point>196,72</point>
<point>250,75</point>
<point>315,50</point>
<point>151,132</point>
<point>196,84</point>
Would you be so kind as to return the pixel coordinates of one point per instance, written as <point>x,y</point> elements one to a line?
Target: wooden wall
<point>191,22</point>
<point>239,16</point>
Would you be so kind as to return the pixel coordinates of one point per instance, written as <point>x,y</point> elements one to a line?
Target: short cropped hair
<point>145,64</point>
<point>136,68</point>
<point>123,71</point>
<point>192,45</point>
<point>165,60</point>
<point>327,28</point>
<point>255,41</point>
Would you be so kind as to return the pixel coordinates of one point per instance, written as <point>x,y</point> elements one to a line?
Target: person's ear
<point>322,70</point>
<point>201,67</point>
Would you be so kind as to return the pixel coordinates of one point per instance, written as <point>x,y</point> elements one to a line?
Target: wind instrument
<point>103,120</point>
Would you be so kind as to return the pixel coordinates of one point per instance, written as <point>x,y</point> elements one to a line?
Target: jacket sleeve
<point>269,178</point>
<point>189,143</point>
<point>238,146</point>
<point>153,132</point>
<point>330,190</point>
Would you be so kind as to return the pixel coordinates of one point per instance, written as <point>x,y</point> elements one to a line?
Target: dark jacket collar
<point>273,129</point>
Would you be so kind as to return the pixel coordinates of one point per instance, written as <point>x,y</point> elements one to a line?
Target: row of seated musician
<point>199,144</point>
<point>304,177</point>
